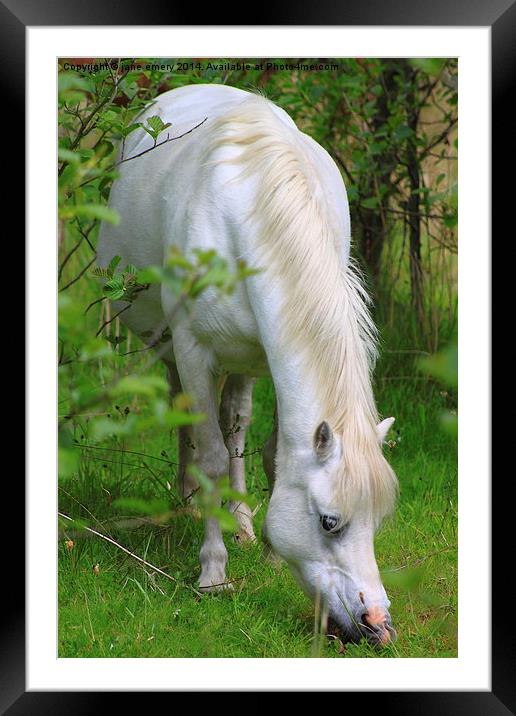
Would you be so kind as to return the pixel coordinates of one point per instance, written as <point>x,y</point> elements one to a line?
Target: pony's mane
<point>325,315</point>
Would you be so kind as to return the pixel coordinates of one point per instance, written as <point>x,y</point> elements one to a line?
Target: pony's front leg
<point>236,407</point>
<point>210,455</point>
<point>269,455</point>
<point>269,466</point>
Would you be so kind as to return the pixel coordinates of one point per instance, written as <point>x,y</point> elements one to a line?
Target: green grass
<point>127,611</point>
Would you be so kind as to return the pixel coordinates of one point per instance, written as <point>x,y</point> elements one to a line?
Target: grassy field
<point>111,606</point>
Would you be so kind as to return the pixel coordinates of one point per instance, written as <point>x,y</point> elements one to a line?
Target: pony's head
<point>327,503</point>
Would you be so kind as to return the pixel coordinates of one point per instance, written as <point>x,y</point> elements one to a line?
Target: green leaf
<point>100,272</point>
<point>142,507</point>
<point>450,220</point>
<point>172,418</point>
<point>443,365</point>
<point>114,289</point>
<point>90,211</point>
<point>352,193</point>
<point>175,258</point>
<point>450,423</point>
<point>204,481</point>
<point>377,147</point>
<point>68,462</point>
<point>146,385</point>
<point>432,66</point>
<point>156,124</point>
<point>66,155</point>
<point>403,132</point>
<point>227,520</point>
<point>105,427</point>
<point>152,274</point>
<point>216,276</point>
<point>126,131</point>
<point>370,203</point>
<point>406,580</point>
<point>71,81</point>
<point>114,294</point>
<point>113,264</point>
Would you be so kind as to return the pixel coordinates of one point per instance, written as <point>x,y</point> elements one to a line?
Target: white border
<point>471,670</point>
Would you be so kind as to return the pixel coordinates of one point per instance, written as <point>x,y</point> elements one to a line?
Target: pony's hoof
<point>188,510</point>
<point>215,588</point>
<point>215,584</point>
<point>244,535</point>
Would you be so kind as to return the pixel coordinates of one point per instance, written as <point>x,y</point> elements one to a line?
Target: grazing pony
<point>249,184</point>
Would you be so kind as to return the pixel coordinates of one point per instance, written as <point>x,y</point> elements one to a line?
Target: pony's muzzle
<point>376,626</point>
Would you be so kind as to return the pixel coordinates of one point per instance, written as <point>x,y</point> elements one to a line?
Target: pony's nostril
<point>363,620</point>
<point>370,630</point>
<point>375,617</point>
<point>377,626</point>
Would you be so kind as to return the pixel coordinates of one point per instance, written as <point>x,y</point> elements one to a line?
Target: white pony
<point>250,185</point>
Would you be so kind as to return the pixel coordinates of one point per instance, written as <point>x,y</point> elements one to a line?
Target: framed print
<point>397,106</point>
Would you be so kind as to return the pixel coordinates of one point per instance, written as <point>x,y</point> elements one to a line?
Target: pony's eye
<point>331,523</point>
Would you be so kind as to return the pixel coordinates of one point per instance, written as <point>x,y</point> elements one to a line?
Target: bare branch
<point>70,283</point>
<point>128,551</point>
<point>160,144</point>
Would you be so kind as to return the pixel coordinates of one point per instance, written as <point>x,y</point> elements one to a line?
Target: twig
<point>83,507</point>
<point>158,355</point>
<point>440,138</point>
<point>86,124</point>
<point>107,322</point>
<point>127,551</point>
<point>70,283</point>
<point>132,452</point>
<point>228,581</point>
<point>68,257</point>
<point>420,214</point>
<point>94,303</point>
<point>160,144</point>
<point>246,454</point>
<point>110,318</point>
<point>150,149</point>
<point>86,233</point>
<point>153,344</point>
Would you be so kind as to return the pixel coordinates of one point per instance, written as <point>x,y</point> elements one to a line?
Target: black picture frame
<point>500,16</point>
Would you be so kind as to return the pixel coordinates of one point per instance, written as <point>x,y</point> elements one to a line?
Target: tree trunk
<point>413,203</point>
<point>372,222</point>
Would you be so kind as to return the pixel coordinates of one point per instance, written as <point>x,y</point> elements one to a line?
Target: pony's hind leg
<point>186,483</point>
<point>235,416</point>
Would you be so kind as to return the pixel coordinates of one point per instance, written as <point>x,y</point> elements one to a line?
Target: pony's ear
<point>323,441</point>
<point>383,428</point>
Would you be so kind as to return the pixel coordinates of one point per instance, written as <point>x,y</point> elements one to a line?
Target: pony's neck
<point>299,409</point>
<point>303,403</point>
